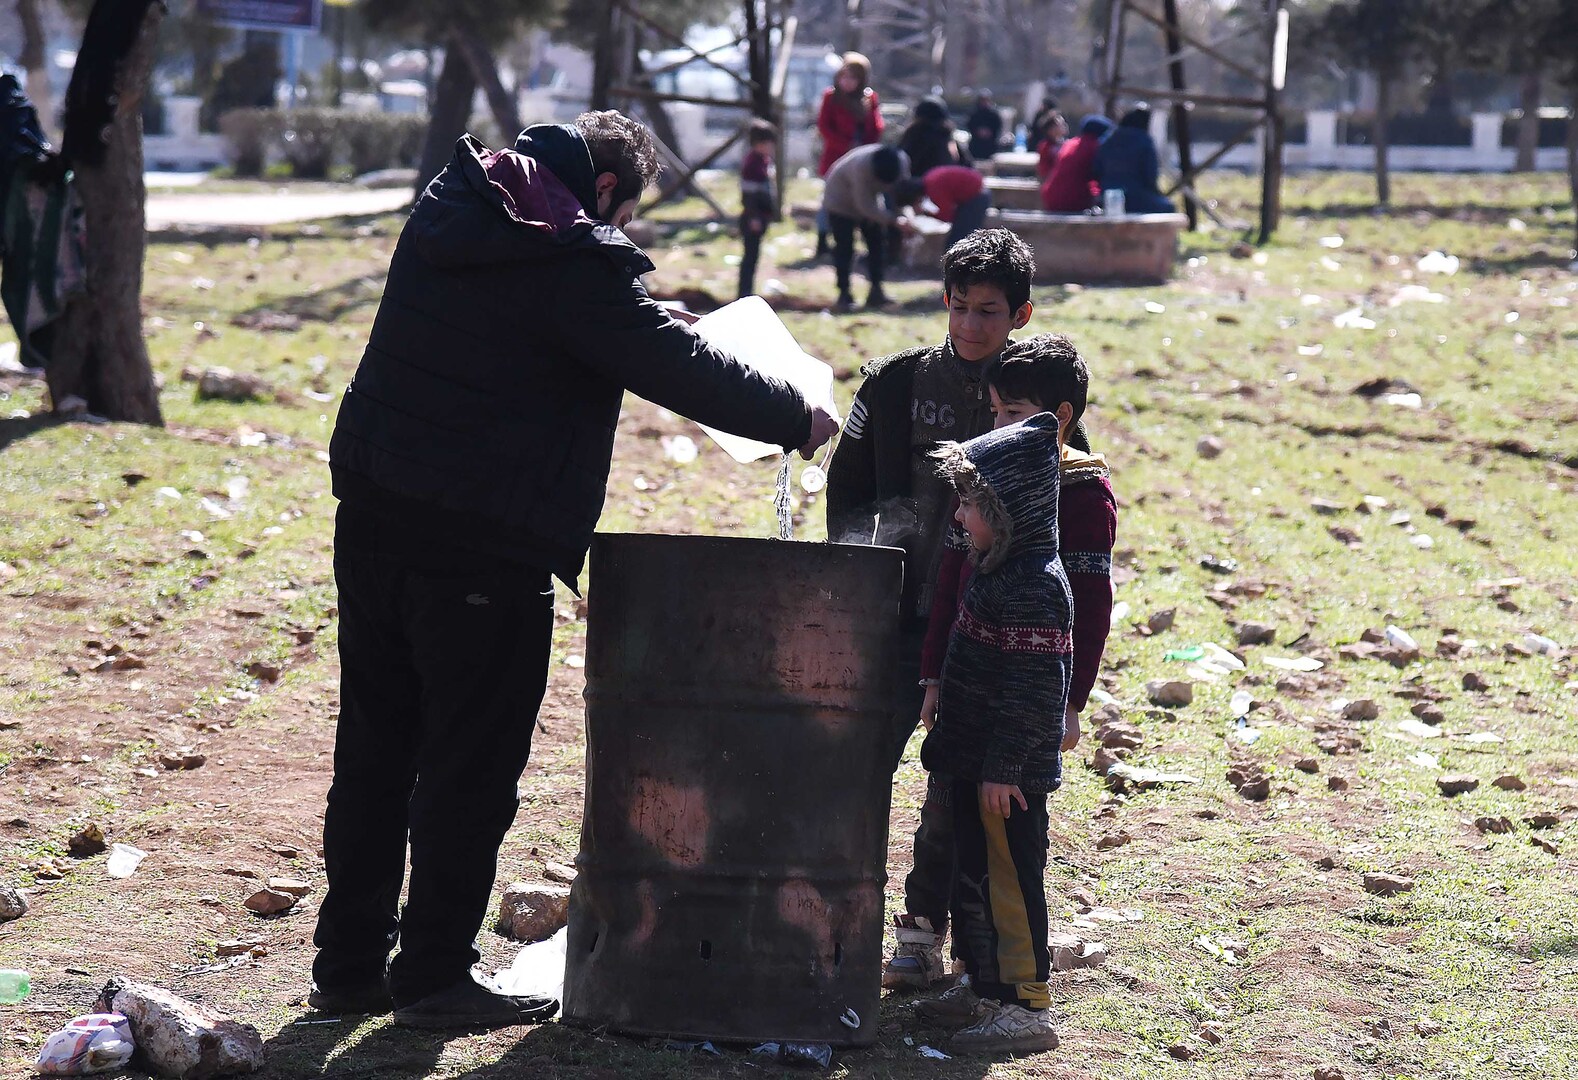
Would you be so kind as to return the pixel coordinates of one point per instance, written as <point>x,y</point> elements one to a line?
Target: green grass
<point>1484,945</point>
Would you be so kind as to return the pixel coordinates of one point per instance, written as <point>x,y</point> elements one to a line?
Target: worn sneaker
<point>1007,1029</point>
<point>844,304</point>
<point>371,999</point>
<point>953,1008</point>
<point>470,1006</point>
<point>917,962</point>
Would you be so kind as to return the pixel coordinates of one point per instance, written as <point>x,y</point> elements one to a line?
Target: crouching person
<point>998,731</point>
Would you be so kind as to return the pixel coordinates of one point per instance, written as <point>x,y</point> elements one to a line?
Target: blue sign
<point>264,14</point>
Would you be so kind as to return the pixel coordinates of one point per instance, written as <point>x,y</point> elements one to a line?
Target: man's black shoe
<point>370,999</point>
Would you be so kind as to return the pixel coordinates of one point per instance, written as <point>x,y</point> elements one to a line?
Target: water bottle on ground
<point>14,986</point>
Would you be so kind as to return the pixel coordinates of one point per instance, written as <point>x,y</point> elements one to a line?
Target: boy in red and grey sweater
<point>1043,374</point>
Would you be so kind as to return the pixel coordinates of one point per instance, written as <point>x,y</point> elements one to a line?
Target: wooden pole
<point>1181,113</point>
<point>1271,163</point>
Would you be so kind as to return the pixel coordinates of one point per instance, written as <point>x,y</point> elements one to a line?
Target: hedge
<point>314,141</point>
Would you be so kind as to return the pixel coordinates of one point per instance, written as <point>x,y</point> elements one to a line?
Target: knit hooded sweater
<point>1006,678</point>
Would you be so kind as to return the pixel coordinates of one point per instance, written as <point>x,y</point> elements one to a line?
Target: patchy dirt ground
<point>170,593</point>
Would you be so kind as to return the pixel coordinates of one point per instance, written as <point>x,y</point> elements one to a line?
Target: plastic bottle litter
<point>1187,654</point>
<point>124,860</point>
<point>14,986</point>
<point>1114,203</point>
<point>96,1043</point>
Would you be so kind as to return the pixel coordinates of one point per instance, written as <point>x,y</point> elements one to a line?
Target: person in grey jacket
<point>854,198</point>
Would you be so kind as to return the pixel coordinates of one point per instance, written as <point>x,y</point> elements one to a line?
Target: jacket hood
<point>1095,125</point>
<point>932,110</point>
<point>1013,474</point>
<point>515,205</point>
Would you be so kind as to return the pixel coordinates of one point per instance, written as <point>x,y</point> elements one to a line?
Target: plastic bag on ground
<point>538,970</point>
<point>96,1043</point>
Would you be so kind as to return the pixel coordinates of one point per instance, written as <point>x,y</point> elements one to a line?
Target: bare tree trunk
<point>1382,139</point>
<point>1572,155</point>
<point>100,356</point>
<point>34,63</point>
<point>504,105</point>
<point>1529,123</point>
<point>449,116</point>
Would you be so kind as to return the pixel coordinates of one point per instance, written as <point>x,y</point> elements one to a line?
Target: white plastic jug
<point>751,331</point>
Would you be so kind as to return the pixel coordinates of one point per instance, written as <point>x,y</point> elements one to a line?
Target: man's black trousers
<point>443,665</point>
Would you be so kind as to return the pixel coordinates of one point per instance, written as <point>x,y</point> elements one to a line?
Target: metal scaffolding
<point>1268,30</point>
<point>621,80</point>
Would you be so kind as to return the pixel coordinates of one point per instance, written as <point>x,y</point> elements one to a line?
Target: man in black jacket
<point>471,460</point>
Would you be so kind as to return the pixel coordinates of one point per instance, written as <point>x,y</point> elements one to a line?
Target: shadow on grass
<point>16,430</point>
<point>327,304</point>
<point>332,228</point>
<point>351,1048</point>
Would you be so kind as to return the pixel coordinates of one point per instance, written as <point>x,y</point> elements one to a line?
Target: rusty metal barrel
<point>734,842</point>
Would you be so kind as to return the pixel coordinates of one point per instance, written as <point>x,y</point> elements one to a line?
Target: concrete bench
<point>1014,193</point>
<point>1010,163</point>
<point>1136,249</point>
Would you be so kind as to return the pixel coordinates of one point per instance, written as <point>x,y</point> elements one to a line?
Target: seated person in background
<point>1038,123</point>
<point>986,128</point>
<point>1070,188</point>
<point>1127,161</point>
<point>959,193</point>
<point>929,139</point>
<point>1050,133</point>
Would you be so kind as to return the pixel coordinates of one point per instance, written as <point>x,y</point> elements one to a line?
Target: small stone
<point>269,902</point>
<point>1071,952</point>
<point>263,671</point>
<point>90,841</point>
<point>1119,735</point>
<point>1329,1072</point>
<point>1209,447</point>
<point>120,662</point>
<point>1545,845</point>
<point>1211,1032</point>
<point>240,947</point>
<point>222,384</point>
<point>1103,760</point>
<point>1429,713</point>
<point>1344,535</point>
<point>1326,506</point>
<point>1427,1028</point>
<point>559,873</point>
<point>1387,884</point>
<point>13,903</point>
<point>1169,693</point>
<point>289,886</point>
<point>1326,862</point>
<point>1360,710</point>
<point>1493,824</point>
<point>177,1038</point>
<point>1161,620</point>
<point>1543,820</point>
<point>1254,633</point>
<point>1381,1029</point>
<point>1456,784</point>
<point>1113,840</point>
<point>1473,680</point>
<point>1183,1051</point>
<point>1250,781</point>
<point>1307,765</point>
<point>533,911</point>
<point>182,761</point>
<point>1509,782</point>
<point>1336,783</point>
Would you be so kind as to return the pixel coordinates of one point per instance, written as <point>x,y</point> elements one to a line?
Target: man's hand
<point>999,799</point>
<point>928,715</point>
<point>906,225</point>
<point>823,428</point>
<point>1070,729</point>
<point>684,316</point>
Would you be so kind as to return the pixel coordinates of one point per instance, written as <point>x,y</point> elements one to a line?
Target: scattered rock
<point>183,761</point>
<point>1250,781</point>
<point>1307,765</point>
<point>1429,713</point>
<point>264,671</point>
<point>1336,783</point>
<point>267,321</point>
<point>1509,782</point>
<point>177,1038</point>
<point>1543,820</point>
<point>1326,862</point>
<point>1169,693</point>
<point>1209,447</point>
<point>13,903</point>
<point>222,384</point>
<point>532,911</point>
<point>1219,564</point>
<point>1113,840</point>
<point>1329,1072</point>
<point>1427,1028</point>
<point>289,886</point>
<point>241,947</point>
<point>1211,1032</point>
<point>1122,777</point>
<point>120,662</point>
<point>1326,506</point>
<point>1387,884</point>
<point>1102,761</point>
<point>1071,952</point>
<point>1254,633</point>
<point>1119,735</point>
<point>90,841</point>
<point>559,873</point>
<point>1161,620</point>
<point>1360,710</point>
<point>1456,784</point>
<point>1183,1051</point>
<point>1493,824</point>
<point>1344,535</point>
<point>270,902</point>
<point>1473,680</point>
<point>1545,845</point>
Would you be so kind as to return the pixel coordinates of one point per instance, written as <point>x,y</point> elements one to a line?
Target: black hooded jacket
<point>483,412</point>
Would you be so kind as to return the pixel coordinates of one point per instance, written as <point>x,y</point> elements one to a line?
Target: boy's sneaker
<point>917,962</point>
<point>1008,1029</point>
<point>954,1008</point>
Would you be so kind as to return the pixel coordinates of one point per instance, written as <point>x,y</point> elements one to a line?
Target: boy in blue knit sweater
<point>999,730</point>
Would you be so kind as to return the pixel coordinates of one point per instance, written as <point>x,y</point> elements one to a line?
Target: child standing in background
<point>758,207</point>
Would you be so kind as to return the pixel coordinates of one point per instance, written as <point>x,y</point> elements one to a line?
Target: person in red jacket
<point>849,117</point>
<point>1070,188</point>
<point>1044,373</point>
<point>959,193</point>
